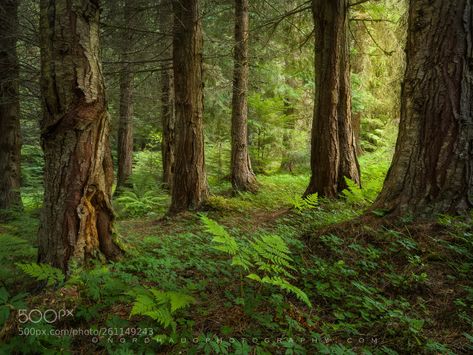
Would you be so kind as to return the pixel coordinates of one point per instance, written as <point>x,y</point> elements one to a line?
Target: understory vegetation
<point>252,274</point>
<point>217,177</point>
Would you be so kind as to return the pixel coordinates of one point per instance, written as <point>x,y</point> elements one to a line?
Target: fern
<point>43,272</point>
<point>130,203</point>
<point>353,194</point>
<point>267,255</point>
<point>308,202</point>
<point>283,284</point>
<point>222,239</point>
<point>160,306</point>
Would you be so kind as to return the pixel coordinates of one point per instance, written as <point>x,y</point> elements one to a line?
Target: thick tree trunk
<point>10,142</point>
<point>189,189</point>
<point>125,125</point>
<point>333,153</point>
<point>76,220</point>
<point>168,116</point>
<point>432,166</point>
<point>242,176</point>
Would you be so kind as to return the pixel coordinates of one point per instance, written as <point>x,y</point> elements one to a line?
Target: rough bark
<point>76,219</point>
<point>431,169</point>
<point>10,139</point>
<point>189,188</point>
<point>242,176</point>
<point>168,116</point>
<point>125,124</point>
<point>333,152</point>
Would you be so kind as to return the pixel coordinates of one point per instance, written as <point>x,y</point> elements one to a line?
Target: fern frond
<point>225,242</point>
<point>353,194</point>
<point>143,304</point>
<point>42,272</point>
<point>179,300</point>
<point>285,285</point>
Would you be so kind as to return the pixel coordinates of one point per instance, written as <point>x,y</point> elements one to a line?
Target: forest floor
<point>374,287</point>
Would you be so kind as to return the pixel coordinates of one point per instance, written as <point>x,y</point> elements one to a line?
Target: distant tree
<point>10,141</point>
<point>432,166</point>
<point>168,116</point>
<point>125,124</point>
<point>189,188</point>
<point>76,219</point>
<point>333,152</point>
<point>242,176</point>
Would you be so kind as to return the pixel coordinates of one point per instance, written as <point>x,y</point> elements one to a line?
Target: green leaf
<point>4,295</point>
<point>179,300</point>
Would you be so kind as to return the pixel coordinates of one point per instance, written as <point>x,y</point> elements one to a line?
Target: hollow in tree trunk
<point>189,188</point>
<point>242,176</point>
<point>432,166</point>
<point>10,141</point>
<point>76,219</point>
<point>333,152</point>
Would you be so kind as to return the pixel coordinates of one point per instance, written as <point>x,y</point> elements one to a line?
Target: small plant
<point>353,194</point>
<point>43,272</point>
<point>266,258</point>
<point>305,203</point>
<point>160,306</point>
<point>132,204</point>
<point>8,304</point>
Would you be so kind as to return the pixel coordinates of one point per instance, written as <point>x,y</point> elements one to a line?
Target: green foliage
<point>13,249</point>
<point>267,255</point>
<point>308,202</point>
<point>160,306</point>
<point>132,204</point>
<point>353,194</point>
<point>32,166</point>
<point>43,272</point>
<point>9,303</point>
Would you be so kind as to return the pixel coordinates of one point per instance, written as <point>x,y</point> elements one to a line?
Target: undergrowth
<point>264,273</point>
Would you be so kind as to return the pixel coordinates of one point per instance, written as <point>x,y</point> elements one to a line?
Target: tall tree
<point>432,166</point>
<point>243,178</point>
<point>76,219</point>
<point>168,116</point>
<point>358,63</point>
<point>189,188</point>
<point>333,152</point>
<point>10,141</point>
<point>125,124</point>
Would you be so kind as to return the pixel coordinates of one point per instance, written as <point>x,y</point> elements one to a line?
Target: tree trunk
<point>76,219</point>
<point>432,166</point>
<point>242,176</point>
<point>125,125</point>
<point>168,116</point>
<point>358,64</point>
<point>287,161</point>
<point>189,188</point>
<point>10,141</point>
<point>333,153</point>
